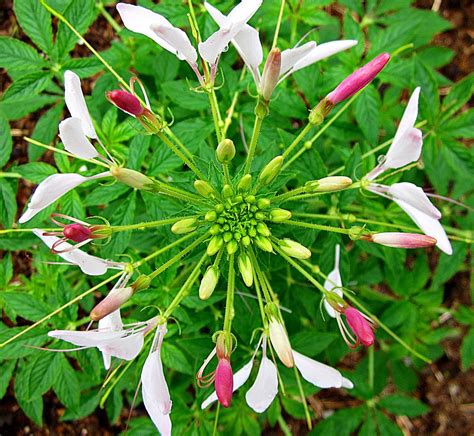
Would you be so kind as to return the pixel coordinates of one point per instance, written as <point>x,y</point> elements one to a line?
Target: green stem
<point>298,139</point>
<point>225,168</point>
<point>184,291</point>
<point>318,227</point>
<point>170,133</point>
<point>10,175</point>
<point>230,111</point>
<point>171,191</point>
<point>216,419</point>
<point>303,398</point>
<point>108,17</point>
<point>142,226</point>
<point>229,305</point>
<point>289,194</point>
<point>371,367</point>
<point>259,275</point>
<point>6,231</point>
<point>216,113</point>
<point>253,143</point>
<point>277,28</point>
<point>178,256</point>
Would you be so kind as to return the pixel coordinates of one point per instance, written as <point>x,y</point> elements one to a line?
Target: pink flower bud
<point>360,326</point>
<point>224,382</point>
<point>126,102</point>
<point>358,79</point>
<point>271,73</point>
<point>111,303</point>
<point>77,232</point>
<point>403,240</point>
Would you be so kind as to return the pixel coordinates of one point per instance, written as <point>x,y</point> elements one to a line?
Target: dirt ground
<point>448,391</point>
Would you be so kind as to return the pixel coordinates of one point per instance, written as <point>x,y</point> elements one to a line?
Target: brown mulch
<point>443,386</point>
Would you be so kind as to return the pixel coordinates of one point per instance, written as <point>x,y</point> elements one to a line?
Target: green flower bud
<point>244,183</point>
<point>232,246</point>
<point>132,178</point>
<point>259,216</point>
<point>215,229</point>
<point>210,216</point>
<point>245,268</point>
<point>209,282</point>
<point>228,236</point>
<point>225,151</point>
<point>279,215</point>
<point>246,241</point>
<point>264,243</point>
<point>328,184</point>
<point>250,199</point>
<point>204,188</point>
<point>263,229</point>
<point>271,170</point>
<point>186,225</point>
<point>219,208</point>
<point>263,203</point>
<point>215,244</point>
<point>294,249</point>
<point>227,191</point>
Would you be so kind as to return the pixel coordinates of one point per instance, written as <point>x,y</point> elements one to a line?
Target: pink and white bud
<point>403,240</point>
<point>77,232</point>
<point>126,102</point>
<point>224,382</point>
<point>111,302</point>
<point>271,74</point>
<point>360,326</point>
<point>280,342</point>
<point>358,79</point>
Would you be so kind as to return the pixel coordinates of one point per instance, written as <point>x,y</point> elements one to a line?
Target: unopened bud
<point>77,232</point>
<point>244,183</point>
<point>245,268</point>
<point>215,244</point>
<point>204,188</point>
<point>224,382</point>
<point>271,73</point>
<point>210,216</point>
<point>360,326</point>
<point>280,342</point>
<point>227,191</point>
<point>271,170</point>
<point>111,303</point>
<point>263,230</point>
<point>225,151</point>
<point>279,215</point>
<point>401,240</point>
<point>232,246</point>
<point>294,249</point>
<point>186,225</point>
<point>126,102</point>
<point>264,243</point>
<point>328,184</point>
<point>358,79</point>
<point>209,282</point>
<point>263,203</point>
<point>132,178</point>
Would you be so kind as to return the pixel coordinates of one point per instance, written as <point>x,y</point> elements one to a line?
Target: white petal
<point>76,103</point>
<point>52,188</point>
<point>240,377</point>
<point>333,283</point>
<point>161,420</point>
<point>265,388</point>
<point>409,116</point>
<point>90,265</point>
<point>415,197</point>
<point>323,51</point>
<point>154,385</point>
<point>91,338</point>
<point>74,139</point>
<point>429,225</point>
<point>111,322</point>
<point>177,39</point>
<point>243,11</point>
<point>317,373</point>
<point>139,20</point>
<point>346,383</point>
<point>291,56</point>
<point>406,150</point>
<point>127,347</point>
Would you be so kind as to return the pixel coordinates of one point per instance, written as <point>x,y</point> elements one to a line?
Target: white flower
<point>156,396</point>
<point>333,283</point>
<point>75,141</point>
<point>113,323</point>
<point>407,142</point>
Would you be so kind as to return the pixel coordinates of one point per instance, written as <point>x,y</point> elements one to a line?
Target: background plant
<point>410,298</point>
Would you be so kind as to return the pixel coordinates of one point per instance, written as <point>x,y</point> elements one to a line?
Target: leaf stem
<point>253,143</point>
<point>145,225</point>
<point>229,305</point>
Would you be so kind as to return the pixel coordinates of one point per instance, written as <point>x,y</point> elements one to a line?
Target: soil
<point>443,386</point>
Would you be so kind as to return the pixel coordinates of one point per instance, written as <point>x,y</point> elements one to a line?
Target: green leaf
<point>304,342</point>
<point>459,95</point>
<point>15,54</point>
<point>66,386</point>
<point>5,376</point>
<point>35,172</point>
<point>26,305</point>
<point>43,131</point>
<point>19,107</point>
<point>6,269</point>
<point>178,91</point>
<point>467,350</point>
<point>343,422</point>
<point>6,143</point>
<point>35,22</point>
<point>175,359</point>
<point>27,85</point>
<point>9,206</point>
<point>401,405</point>
<point>366,111</point>
<point>386,426</point>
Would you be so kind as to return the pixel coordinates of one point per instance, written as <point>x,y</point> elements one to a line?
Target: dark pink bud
<point>126,102</point>
<point>360,326</point>
<point>358,79</point>
<point>77,232</point>
<point>224,382</point>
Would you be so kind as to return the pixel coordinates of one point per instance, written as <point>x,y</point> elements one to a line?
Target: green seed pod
<point>271,170</point>
<point>184,226</point>
<point>227,191</point>
<point>294,249</point>
<point>279,215</point>
<point>263,230</point>
<point>209,282</point>
<point>210,216</point>
<point>264,243</point>
<point>244,183</point>
<point>215,244</point>
<point>245,268</point>
<point>204,188</point>
<point>232,246</point>
<point>225,151</point>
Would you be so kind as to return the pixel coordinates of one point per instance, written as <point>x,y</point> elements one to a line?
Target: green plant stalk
<point>178,256</point>
<point>184,291</point>
<point>216,113</point>
<point>225,169</point>
<point>278,24</point>
<point>229,304</point>
<point>298,139</point>
<point>108,17</point>
<point>303,398</point>
<point>216,419</point>
<point>10,175</point>
<point>258,273</point>
<point>253,143</point>
<point>318,227</point>
<point>289,194</point>
<point>230,111</point>
<point>60,309</point>
<point>171,191</point>
<point>4,232</point>
<point>371,367</point>
<point>145,225</point>
<point>178,142</point>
